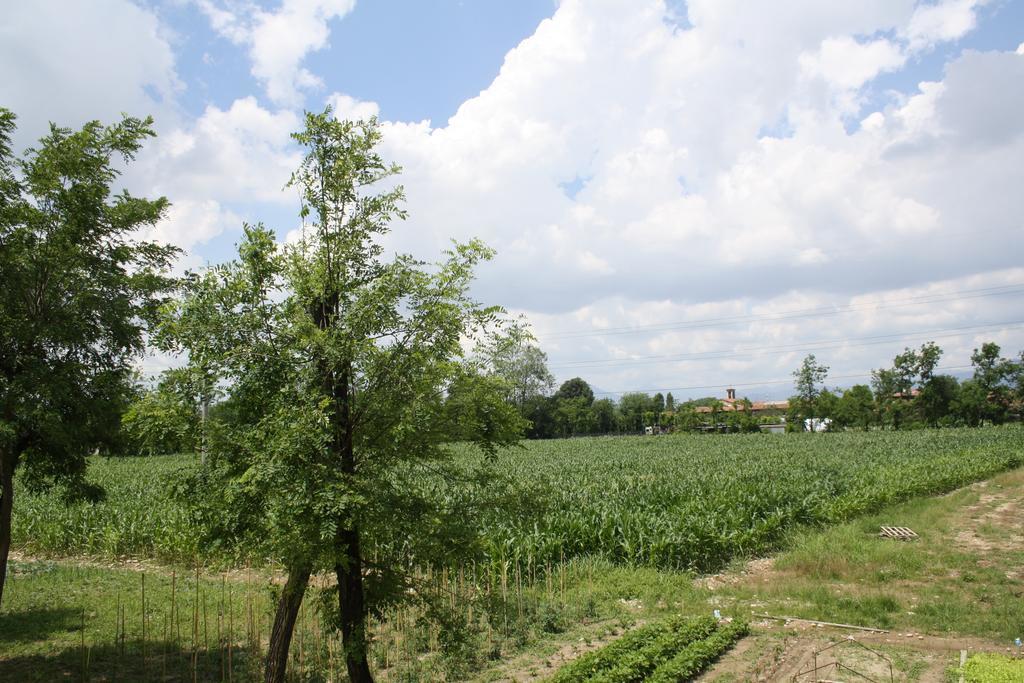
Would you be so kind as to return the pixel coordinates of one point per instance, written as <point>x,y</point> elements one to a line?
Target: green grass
<point>62,621</point>
<point>848,574</point>
<point>695,502</point>
<point>844,573</point>
<point>631,518</point>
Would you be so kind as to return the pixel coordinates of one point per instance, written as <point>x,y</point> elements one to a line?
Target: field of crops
<point>697,501</point>
<point>668,501</point>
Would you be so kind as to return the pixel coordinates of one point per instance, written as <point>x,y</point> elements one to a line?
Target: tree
<point>574,416</point>
<point>992,373</point>
<point>927,360</point>
<point>898,390</point>
<point>632,407</point>
<point>937,398</point>
<point>905,369</point>
<point>475,405</point>
<point>604,415</point>
<point>670,403</point>
<point>687,419</point>
<point>163,419</point>
<point>855,407</point>
<point>351,358</point>
<point>810,374</point>
<point>76,289</point>
<point>888,397</point>
<point>658,403</point>
<point>575,388</point>
<point>515,357</point>
<point>971,405</point>
<point>541,413</point>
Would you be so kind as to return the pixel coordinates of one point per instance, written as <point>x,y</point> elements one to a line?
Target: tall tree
<point>604,415</point>
<point>76,287</point>
<point>575,388</point>
<point>632,407</point>
<point>349,358</point>
<point>810,374</point>
<point>993,375</point>
<point>515,357</point>
<point>856,407</point>
<point>164,418</point>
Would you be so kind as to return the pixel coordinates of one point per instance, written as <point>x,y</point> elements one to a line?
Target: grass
<point>843,574</point>
<point>63,621</point>
<point>935,585</point>
<point>139,517</point>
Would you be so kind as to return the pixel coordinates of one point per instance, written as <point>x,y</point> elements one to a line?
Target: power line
<point>959,295</point>
<point>823,344</point>
<point>755,384</point>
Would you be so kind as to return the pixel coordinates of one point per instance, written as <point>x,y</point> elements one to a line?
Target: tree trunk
<point>348,568</point>
<point>6,506</point>
<point>352,605</point>
<point>349,562</point>
<point>284,624</point>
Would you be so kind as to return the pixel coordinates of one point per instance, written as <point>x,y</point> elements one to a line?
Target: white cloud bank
<point>718,163</point>
<point>632,172</point>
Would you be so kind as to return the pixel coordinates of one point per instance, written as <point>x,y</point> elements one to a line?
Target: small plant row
<point>992,668</point>
<point>672,650</point>
<point>696,657</point>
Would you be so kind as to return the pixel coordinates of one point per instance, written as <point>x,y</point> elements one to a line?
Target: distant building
<point>732,404</point>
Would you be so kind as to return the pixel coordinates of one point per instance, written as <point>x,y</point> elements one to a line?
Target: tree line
<point>909,394</point>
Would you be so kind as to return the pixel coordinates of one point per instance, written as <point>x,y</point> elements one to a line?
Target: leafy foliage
<point>76,289</point>
<point>163,419</point>
<point>991,668</point>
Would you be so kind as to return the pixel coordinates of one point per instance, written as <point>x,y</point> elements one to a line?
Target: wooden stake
<point>143,622</point>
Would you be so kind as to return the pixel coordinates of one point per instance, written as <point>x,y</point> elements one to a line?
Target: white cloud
<point>592,263</point>
<point>347,107</point>
<point>279,41</point>
<point>629,172</point>
<point>74,62</point>
<point>937,22</point>
<point>846,63</point>
<point>191,222</point>
<point>685,198</point>
<point>242,153</point>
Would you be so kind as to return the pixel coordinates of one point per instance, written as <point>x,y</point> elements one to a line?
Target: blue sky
<point>665,182</point>
<point>417,60</point>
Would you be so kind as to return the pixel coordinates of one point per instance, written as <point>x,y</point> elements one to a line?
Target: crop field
<point>671,502</point>
<point>601,526</point>
<point>694,502</point>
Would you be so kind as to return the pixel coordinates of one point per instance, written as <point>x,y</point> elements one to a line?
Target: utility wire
<point>819,345</point>
<point>756,384</point>
<point>820,311</point>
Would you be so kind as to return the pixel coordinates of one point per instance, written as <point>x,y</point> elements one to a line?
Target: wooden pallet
<point>900,533</point>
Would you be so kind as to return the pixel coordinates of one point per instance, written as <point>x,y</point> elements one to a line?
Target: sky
<point>683,196</point>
